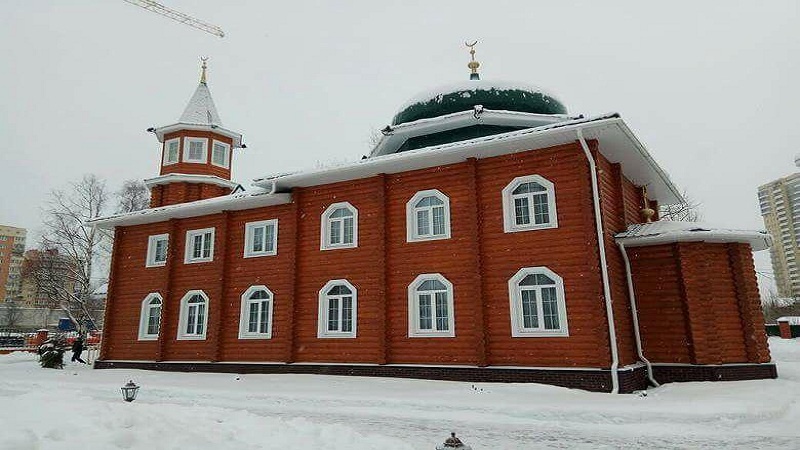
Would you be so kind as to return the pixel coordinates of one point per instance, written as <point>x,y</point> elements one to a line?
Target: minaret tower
<point>196,153</point>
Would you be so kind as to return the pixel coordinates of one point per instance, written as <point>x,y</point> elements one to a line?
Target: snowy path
<point>217,411</point>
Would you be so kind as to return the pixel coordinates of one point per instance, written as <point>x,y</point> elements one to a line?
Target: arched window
<point>428,216</point>
<point>194,316</point>
<point>537,303</point>
<point>339,227</point>
<point>529,203</point>
<point>150,317</point>
<point>255,320</point>
<point>430,307</point>
<point>337,310</point>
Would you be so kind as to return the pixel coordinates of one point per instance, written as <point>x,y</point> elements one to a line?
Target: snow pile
<point>82,408</point>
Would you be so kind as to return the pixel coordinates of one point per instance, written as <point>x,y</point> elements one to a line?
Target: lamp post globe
<point>129,391</point>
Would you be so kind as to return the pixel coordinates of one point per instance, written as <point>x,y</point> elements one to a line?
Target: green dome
<point>464,96</point>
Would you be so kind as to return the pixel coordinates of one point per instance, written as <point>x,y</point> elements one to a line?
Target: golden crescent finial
<point>203,68</point>
<point>473,65</point>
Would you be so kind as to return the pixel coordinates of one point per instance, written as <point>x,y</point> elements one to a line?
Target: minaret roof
<point>201,109</point>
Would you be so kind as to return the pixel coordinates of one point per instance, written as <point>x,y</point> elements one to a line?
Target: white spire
<point>201,109</point>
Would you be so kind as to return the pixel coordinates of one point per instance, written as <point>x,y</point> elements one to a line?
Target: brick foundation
<point>727,372</point>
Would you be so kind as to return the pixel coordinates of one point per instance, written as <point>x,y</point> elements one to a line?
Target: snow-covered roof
<point>201,109</point>
<point>189,178</point>
<point>234,202</point>
<point>616,142</point>
<point>200,114</point>
<point>665,231</point>
<point>471,85</point>
<point>793,320</point>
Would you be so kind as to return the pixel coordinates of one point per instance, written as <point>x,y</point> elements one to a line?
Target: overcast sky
<point>711,88</point>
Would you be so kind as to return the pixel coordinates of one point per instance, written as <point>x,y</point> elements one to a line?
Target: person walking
<point>77,349</point>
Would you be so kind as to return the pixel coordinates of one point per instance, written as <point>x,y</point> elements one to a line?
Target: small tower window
<point>171,151</point>
<point>196,150</point>
<point>220,154</point>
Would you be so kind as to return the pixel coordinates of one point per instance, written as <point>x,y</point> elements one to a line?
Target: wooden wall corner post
<point>170,302</point>
<point>223,265</point>
<point>383,224</point>
<point>749,302</point>
<point>291,302</point>
<point>698,297</point>
<point>476,229</point>
<point>111,291</point>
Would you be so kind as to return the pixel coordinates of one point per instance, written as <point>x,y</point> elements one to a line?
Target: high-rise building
<point>12,248</point>
<point>780,207</point>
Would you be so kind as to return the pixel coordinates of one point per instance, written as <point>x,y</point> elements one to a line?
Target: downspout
<point>598,221</point>
<point>635,314</point>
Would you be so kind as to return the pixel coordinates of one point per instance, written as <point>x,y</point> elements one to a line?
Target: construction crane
<point>158,8</point>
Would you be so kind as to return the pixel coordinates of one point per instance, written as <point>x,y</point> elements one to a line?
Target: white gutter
<point>635,315</point>
<point>598,221</point>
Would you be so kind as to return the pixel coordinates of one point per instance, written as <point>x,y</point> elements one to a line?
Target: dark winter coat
<point>77,346</point>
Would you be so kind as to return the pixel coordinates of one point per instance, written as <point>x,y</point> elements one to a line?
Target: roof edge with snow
<point>667,232</point>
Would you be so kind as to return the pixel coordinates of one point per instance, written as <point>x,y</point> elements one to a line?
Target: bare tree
<point>65,265</point>
<point>132,196</point>
<point>686,211</point>
<point>12,313</point>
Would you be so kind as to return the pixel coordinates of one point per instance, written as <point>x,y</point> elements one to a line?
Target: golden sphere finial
<point>473,65</point>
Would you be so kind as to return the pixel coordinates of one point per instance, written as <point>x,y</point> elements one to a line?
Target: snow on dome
<point>201,109</point>
<point>464,95</point>
<point>472,85</point>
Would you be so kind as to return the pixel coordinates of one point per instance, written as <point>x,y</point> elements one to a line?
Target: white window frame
<point>249,232</point>
<point>151,250</point>
<point>189,246</point>
<point>144,316</point>
<point>244,313</point>
<point>413,308</point>
<point>187,145</point>
<point>325,227</point>
<point>226,162</point>
<point>412,229</point>
<point>167,143</point>
<point>509,216</point>
<point>322,320</point>
<point>184,317</point>
<point>515,298</point>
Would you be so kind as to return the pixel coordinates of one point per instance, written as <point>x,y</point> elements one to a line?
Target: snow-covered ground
<point>81,408</point>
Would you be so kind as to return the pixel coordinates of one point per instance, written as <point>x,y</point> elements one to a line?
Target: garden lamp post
<point>129,391</point>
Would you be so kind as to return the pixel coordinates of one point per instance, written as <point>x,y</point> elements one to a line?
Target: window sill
<point>427,238</point>
<point>148,338</point>
<point>192,338</point>
<point>336,336</point>
<point>516,229</point>
<point>198,261</point>
<point>265,336</point>
<point>433,334</point>
<point>337,247</point>
<point>539,334</point>
<point>161,264</point>
<point>258,255</point>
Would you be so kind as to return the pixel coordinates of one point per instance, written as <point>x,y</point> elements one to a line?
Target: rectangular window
<point>219,154</point>
<point>550,309</point>
<point>157,250</point>
<point>541,212</point>
<point>195,150</point>
<point>347,314</point>
<point>438,221</point>
<point>171,150</point>
<point>530,317</point>
<point>333,314</point>
<point>442,322</point>
<point>521,211</point>
<point>261,238</point>
<point>336,232</point>
<point>423,227</point>
<point>153,320</point>
<point>425,318</point>
<point>199,245</point>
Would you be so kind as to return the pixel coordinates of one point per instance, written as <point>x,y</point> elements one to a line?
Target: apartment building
<point>12,248</point>
<point>780,207</point>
